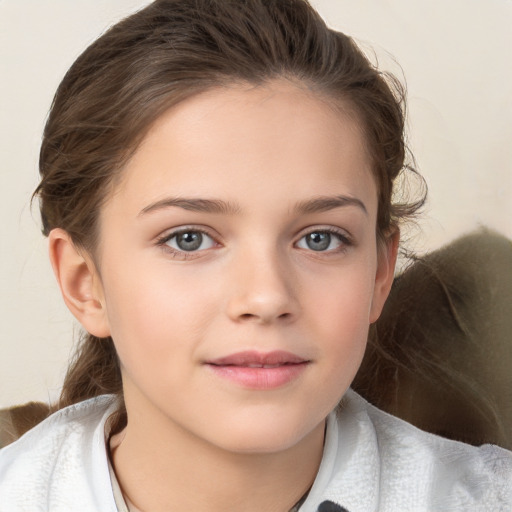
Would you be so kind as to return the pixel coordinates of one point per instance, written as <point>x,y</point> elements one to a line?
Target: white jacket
<point>372,462</point>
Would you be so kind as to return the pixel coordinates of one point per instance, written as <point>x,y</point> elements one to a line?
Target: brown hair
<point>167,52</point>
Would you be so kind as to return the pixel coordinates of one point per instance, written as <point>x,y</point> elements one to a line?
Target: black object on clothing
<point>329,506</point>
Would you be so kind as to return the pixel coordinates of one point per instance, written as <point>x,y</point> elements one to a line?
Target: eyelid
<point>325,229</point>
<point>169,233</point>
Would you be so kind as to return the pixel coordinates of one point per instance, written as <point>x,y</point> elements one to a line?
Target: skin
<point>195,440</point>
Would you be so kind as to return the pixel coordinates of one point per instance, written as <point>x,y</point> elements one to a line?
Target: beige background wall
<point>455,54</point>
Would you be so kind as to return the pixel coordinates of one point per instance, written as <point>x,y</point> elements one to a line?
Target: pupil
<point>190,241</point>
<point>318,241</point>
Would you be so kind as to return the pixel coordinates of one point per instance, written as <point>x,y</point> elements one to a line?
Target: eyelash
<point>345,240</point>
<point>162,242</point>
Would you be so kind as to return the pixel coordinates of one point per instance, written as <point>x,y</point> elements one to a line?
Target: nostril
<point>261,306</point>
<point>264,318</point>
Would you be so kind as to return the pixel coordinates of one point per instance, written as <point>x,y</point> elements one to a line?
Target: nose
<point>263,289</point>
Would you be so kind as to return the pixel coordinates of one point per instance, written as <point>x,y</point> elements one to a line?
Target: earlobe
<point>386,261</point>
<point>79,283</point>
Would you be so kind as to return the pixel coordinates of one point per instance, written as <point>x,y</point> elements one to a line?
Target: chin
<point>267,435</point>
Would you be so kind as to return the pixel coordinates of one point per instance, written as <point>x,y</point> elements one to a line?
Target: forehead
<point>271,139</point>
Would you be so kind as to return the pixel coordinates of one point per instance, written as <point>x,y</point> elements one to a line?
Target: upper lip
<point>258,359</point>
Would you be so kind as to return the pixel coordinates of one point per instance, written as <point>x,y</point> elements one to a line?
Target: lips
<point>257,370</point>
<point>258,360</point>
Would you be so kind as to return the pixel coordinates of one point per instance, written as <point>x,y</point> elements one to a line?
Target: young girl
<point>217,182</point>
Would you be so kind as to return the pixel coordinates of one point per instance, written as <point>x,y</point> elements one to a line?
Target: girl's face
<point>239,269</point>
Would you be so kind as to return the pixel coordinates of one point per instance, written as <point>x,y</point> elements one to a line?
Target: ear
<point>387,252</point>
<point>79,283</point>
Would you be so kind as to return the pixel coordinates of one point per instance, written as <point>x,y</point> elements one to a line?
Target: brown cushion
<point>440,356</point>
<point>17,420</point>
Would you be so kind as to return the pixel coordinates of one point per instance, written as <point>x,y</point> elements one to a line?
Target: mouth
<point>255,370</point>
<point>253,359</point>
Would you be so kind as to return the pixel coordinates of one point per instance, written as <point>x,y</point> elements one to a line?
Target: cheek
<point>156,310</point>
<point>341,318</point>
<point>342,303</point>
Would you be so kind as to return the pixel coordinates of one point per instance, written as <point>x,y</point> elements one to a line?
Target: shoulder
<point>60,462</point>
<point>453,470</point>
<point>374,461</point>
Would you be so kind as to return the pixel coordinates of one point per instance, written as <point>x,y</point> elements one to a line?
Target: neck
<point>162,468</point>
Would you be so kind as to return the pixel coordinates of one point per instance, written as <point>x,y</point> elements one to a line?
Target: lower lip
<point>260,378</point>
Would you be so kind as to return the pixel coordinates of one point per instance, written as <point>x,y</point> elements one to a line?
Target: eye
<point>190,240</point>
<point>322,241</point>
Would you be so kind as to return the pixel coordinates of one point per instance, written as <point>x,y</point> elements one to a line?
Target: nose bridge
<point>264,288</point>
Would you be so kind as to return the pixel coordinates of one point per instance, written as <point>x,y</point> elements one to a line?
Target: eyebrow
<point>325,203</point>
<point>316,205</point>
<point>194,205</point>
